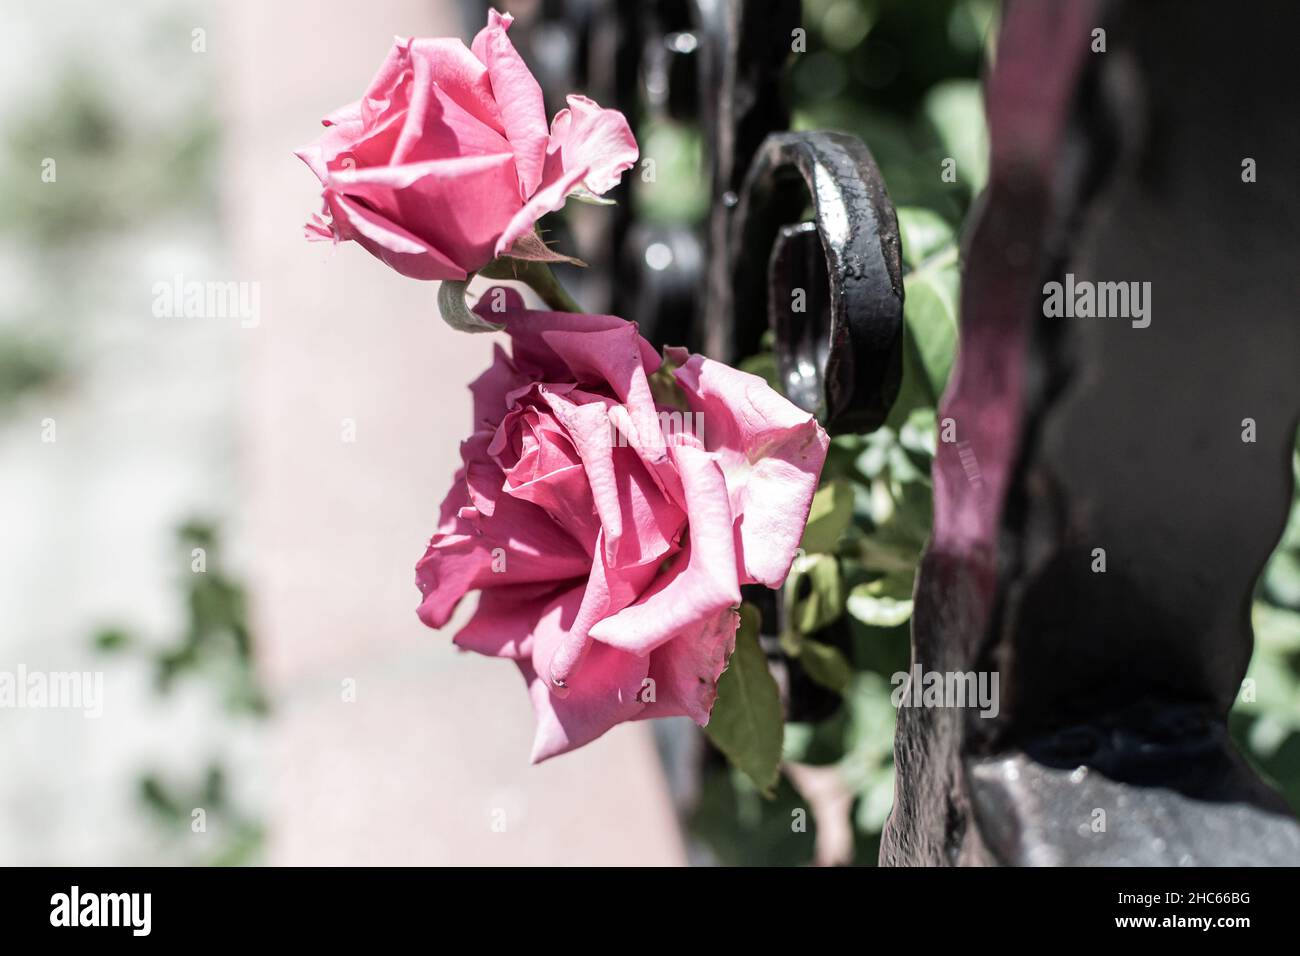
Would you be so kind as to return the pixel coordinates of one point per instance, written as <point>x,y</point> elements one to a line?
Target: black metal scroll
<point>833,289</point>
<point>1099,520</point>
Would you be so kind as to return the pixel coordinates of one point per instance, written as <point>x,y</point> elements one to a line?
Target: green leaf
<point>814,592</point>
<point>930,311</point>
<point>830,514</point>
<point>666,390</point>
<point>747,723</point>
<point>956,111</point>
<point>931,295</point>
<point>886,602</point>
<point>1277,630</point>
<point>920,432</point>
<point>924,234</point>
<point>825,664</point>
<point>112,639</point>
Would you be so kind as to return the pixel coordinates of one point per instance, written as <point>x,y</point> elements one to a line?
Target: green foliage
<point>746,721</point>
<point>673,189</point>
<point>828,517</point>
<point>930,286</point>
<point>215,644</point>
<point>173,807</point>
<point>814,593</point>
<point>112,171</point>
<point>902,76</point>
<point>213,647</point>
<point>1265,720</point>
<point>27,363</point>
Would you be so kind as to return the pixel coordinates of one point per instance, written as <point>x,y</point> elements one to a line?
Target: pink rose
<point>447,161</point>
<point>609,534</point>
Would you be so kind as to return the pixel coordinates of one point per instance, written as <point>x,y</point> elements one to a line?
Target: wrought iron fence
<point>1068,440</point>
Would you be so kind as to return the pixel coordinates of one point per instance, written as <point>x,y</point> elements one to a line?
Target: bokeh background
<point>287,689</point>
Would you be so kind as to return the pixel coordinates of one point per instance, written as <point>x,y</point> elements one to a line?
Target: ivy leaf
<point>825,664</point>
<point>923,232</point>
<point>886,602</point>
<point>830,514</point>
<point>819,576</point>
<point>747,723</point>
<point>930,303</point>
<point>955,108</point>
<point>930,311</point>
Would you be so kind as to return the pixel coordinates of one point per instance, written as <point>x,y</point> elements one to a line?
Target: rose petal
<point>608,591</point>
<point>519,98</point>
<point>454,205</point>
<point>605,693</point>
<point>584,136</point>
<point>507,617</point>
<point>519,544</point>
<point>460,75</point>
<point>699,586</point>
<point>640,525</point>
<point>489,390</point>
<point>772,454</point>
<point>389,242</point>
<point>528,329</point>
<point>685,669</point>
<point>547,199</point>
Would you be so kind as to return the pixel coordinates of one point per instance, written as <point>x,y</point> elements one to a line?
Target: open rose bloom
<point>447,162</point>
<point>609,535</point>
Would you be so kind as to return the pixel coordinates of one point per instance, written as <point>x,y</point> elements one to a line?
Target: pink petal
<point>607,694</point>
<point>608,591</point>
<point>452,112</point>
<point>506,618</point>
<point>519,544</point>
<point>527,329</point>
<point>640,524</point>
<point>518,97</point>
<point>547,199</point>
<point>693,590</point>
<point>597,140</point>
<point>350,144</point>
<point>489,390</point>
<point>389,242</point>
<point>387,93</point>
<point>685,670</point>
<point>772,454</point>
<point>612,356</point>
<point>457,206</point>
<point>549,474</point>
<point>451,567</point>
<point>460,75</point>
